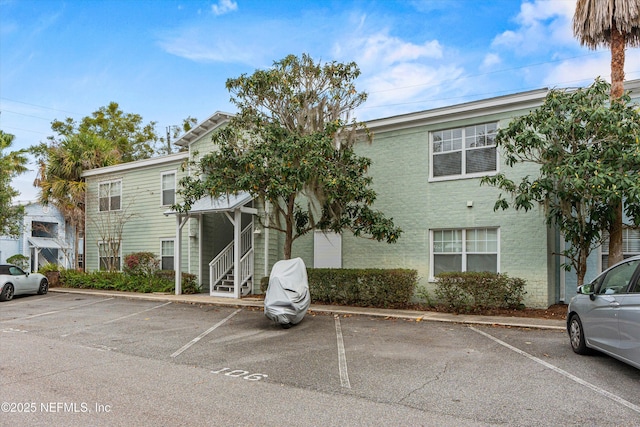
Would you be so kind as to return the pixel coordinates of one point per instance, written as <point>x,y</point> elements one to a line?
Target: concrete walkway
<point>204,299</point>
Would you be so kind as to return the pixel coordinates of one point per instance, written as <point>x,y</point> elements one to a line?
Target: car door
<point>601,323</point>
<point>22,283</point>
<point>629,322</point>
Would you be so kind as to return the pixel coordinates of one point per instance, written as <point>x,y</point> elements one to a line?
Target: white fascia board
<point>154,161</point>
<point>215,120</point>
<point>531,99</point>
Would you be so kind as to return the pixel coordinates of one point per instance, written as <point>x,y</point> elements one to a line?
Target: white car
<point>15,281</point>
<point>605,315</point>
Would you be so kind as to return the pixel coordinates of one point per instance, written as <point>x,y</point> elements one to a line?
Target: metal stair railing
<point>222,264</point>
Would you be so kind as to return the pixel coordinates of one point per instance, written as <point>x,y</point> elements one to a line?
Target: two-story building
<point>45,237</point>
<point>426,172</point>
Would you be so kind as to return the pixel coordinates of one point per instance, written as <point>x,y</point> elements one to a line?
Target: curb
<point>417,316</point>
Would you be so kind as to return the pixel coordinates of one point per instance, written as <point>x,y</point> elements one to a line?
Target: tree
<point>60,174</point>
<point>109,227</point>
<point>133,139</point>
<point>11,165</point>
<point>292,147</point>
<point>174,132</point>
<point>616,24</point>
<point>581,142</point>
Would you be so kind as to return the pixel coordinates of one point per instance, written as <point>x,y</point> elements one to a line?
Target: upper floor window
<point>464,152</point>
<point>44,229</point>
<point>168,188</point>
<point>109,194</point>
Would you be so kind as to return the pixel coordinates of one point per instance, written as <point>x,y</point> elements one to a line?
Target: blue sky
<point>169,59</point>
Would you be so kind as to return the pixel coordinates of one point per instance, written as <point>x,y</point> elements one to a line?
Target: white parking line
<point>342,357</point>
<point>55,311</point>
<point>572,377</point>
<point>135,314</point>
<point>205,333</point>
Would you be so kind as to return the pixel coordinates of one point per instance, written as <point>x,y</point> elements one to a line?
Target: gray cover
<point>287,298</point>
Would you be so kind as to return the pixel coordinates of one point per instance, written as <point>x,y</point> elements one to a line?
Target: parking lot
<point>71,359</point>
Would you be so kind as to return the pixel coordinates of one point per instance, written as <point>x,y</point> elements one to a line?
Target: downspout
<point>266,239</point>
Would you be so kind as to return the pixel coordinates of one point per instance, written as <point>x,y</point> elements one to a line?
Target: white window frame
<point>162,189</point>
<point>162,255</point>
<point>109,196</point>
<point>464,253</point>
<point>629,235</point>
<point>463,150</point>
<point>102,242</point>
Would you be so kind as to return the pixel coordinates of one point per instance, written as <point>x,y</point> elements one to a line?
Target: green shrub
<point>19,260</point>
<point>161,281</point>
<point>49,267</point>
<point>141,264</point>
<point>264,284</point>
<point>470,291</point>
<point>189,283</point>
<point>362,287</point>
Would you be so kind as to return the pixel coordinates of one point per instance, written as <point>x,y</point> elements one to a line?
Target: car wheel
<point>7,292</point>
<point>576,335</point>
<point>44,287</point>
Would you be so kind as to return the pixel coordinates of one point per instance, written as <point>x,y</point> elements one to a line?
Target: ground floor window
<point>472,249</point>
<point>167,254</point>
<point>110,256</point>
<point>630,245</point>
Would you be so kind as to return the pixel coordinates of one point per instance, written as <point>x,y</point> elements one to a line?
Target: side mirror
<point>587,290</point>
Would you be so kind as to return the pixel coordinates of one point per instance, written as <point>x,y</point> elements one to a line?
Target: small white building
<point>45,237</point>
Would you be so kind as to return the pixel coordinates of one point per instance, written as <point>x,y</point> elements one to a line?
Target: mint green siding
<point>400,172</point>
<point>141,212</point>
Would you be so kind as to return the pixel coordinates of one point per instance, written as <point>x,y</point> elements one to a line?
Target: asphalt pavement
<point>416,315</point>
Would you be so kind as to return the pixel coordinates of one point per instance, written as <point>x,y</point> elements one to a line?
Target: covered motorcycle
<point>287,298</point>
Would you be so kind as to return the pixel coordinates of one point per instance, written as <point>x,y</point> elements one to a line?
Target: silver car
<point>15,281</point>
<point>605,315</point>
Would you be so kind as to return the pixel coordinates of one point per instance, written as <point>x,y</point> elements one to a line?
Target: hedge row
<point>160,281</point>
<point>362,287</point>
<point>470,291</point>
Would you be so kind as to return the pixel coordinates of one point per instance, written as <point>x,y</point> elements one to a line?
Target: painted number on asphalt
<point>239,373</point>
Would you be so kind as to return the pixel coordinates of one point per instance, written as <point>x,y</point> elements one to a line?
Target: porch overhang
<point>208,204</point>
<point>233,206</point>
<point>43,243</point>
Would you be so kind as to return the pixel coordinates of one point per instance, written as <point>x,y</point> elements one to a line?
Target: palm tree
<point>60,174</point>
<point>615,24</point>
<point>11,165</point>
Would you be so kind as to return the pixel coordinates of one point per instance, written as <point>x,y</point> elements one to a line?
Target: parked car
<point>605,314</point>
<point>15,281</point>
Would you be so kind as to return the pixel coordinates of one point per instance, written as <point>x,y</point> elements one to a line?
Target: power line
<point>39,106</point>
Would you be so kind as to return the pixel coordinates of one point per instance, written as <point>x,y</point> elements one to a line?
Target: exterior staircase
<point>227,285</point>
<point>222,266</point>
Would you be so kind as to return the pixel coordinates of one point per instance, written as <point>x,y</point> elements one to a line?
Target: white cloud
<point>399,75</point>
<point>224,6</point>
<point>541,24</point>
<point>583,71</point>
<point>381,48</point>
<point>490,60</point>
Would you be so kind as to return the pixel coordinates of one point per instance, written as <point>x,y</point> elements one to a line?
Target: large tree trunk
<point>617,63</point>
<point>615,237</point>
<point>288,238</point>
<point>617,89</point>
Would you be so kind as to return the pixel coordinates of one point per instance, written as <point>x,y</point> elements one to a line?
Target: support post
<point>237,231</point>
